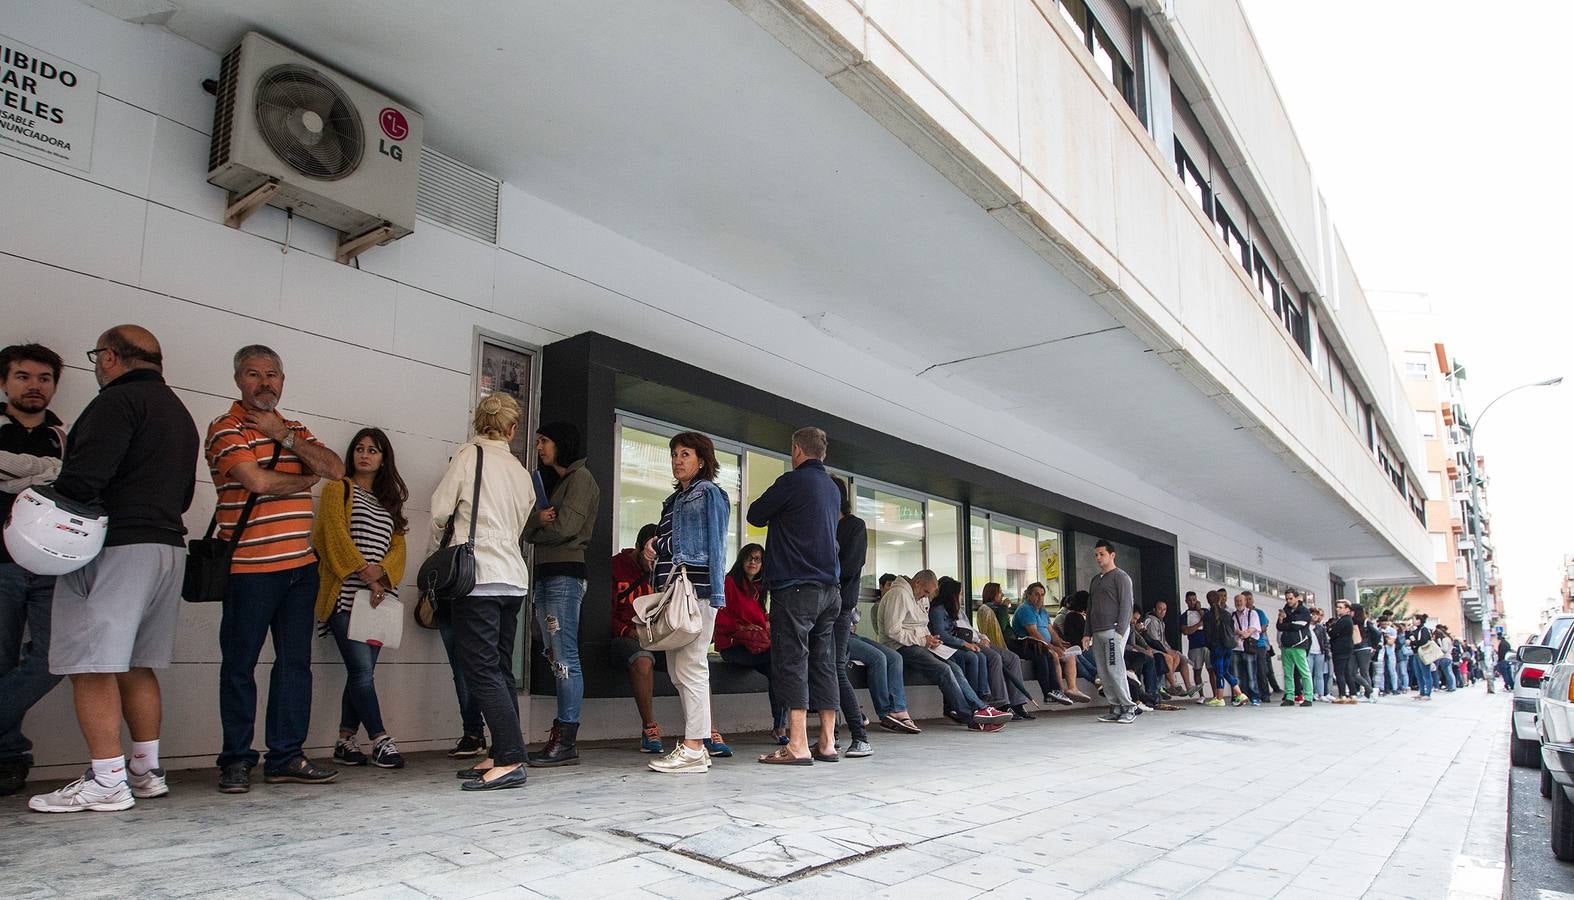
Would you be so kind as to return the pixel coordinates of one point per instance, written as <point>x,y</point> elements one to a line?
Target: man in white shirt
<point>903,618</point>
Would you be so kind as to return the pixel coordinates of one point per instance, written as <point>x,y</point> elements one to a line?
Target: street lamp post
<point>1488,644</point>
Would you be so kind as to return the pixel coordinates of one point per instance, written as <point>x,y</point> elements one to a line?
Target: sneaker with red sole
<point>990,728</point>
<point>989,715</point>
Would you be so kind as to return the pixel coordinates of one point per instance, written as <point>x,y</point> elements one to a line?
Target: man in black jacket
<point>1421,673</point>
<point>803,573</point>
<point>852,547</point>
<point>1295,636</point>
<point>133,452</point>
<point>32,440</point>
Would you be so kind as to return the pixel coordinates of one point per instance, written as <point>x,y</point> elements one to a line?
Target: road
<point>1536,873</point>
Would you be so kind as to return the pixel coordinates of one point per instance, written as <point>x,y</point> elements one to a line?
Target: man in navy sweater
<point>803,573</point>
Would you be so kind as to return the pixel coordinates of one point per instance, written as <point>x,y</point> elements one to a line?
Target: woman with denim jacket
<point>692,537</point>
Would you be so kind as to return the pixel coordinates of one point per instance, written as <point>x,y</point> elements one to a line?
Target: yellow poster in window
<point>1049,562</point>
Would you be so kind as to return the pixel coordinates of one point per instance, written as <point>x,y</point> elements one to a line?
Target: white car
<point>1555,724</point>
<point>1525,742</point>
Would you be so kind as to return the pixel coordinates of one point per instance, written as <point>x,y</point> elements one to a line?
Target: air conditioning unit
<point>295,134</point>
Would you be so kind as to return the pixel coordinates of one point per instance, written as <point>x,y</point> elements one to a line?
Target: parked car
<point>1555,725</point>
<point>1524,745</point>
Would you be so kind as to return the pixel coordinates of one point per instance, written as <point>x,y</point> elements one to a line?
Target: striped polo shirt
<point>278,532</point>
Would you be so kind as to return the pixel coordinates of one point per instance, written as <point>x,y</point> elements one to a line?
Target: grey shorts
<point>118,612</point>
<point>1199,657</point>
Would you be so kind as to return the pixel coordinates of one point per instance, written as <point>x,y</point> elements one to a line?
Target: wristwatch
<point>289,441</point>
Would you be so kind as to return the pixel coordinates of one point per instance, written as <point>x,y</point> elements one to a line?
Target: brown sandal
<point>782,757</point>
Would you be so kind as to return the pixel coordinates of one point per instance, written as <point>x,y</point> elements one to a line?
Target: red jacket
<point>629,580</point>
<point>743,608</point>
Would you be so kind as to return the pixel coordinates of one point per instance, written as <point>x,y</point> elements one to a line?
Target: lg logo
<point>397,128</point>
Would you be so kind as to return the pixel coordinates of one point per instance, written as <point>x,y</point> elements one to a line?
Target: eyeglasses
<point>92,355</point>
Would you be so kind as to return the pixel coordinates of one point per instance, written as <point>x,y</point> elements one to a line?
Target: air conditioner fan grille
<point>309,122</point>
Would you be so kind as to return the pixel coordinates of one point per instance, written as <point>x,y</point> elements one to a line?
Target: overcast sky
<point>1442,145</point>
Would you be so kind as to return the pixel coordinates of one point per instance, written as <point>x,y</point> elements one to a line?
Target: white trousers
<point>689,668</point>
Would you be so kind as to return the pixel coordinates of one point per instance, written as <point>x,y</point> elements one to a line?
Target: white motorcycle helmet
<point>48,534</point>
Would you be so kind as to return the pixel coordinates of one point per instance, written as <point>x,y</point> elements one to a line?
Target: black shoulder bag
<point>208,558</point>
<point>449,573</point>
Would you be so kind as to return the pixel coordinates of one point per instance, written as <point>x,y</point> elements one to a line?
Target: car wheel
<point>1546,782</point>
<point>1524,753</point>
<point>1562,824</point>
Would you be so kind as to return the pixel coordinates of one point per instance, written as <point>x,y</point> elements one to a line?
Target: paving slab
<point>1392,799</point>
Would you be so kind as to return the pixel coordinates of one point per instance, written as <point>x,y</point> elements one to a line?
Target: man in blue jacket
<point>803,574</point>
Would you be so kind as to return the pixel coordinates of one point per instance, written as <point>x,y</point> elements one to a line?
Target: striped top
<point>699,576</point>
<point>278,533</point>
<point>371,528</point>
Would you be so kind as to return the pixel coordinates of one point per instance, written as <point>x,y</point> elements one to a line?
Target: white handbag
<point>670,619</point>
<point>1429,652</point>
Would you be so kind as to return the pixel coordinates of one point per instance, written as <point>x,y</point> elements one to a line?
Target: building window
<point>896,533</point>
<point>1442,484</point>
<point>1015,554</point>
<point>645,480</point>
<point>1418,364</point>
<point>1192,177</point>
<point>1198,568</point>
<point>1426,420</point>
<point>1096,38</point>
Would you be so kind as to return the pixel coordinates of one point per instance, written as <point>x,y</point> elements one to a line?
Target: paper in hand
<point>380,626</point>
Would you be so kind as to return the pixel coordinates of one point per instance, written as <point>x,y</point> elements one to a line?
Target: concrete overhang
<point>689,128</point>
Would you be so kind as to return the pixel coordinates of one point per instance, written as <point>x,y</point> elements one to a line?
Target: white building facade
<point>1058,269</point>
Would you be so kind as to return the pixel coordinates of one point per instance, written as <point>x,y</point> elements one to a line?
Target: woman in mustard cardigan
<point>359,538</point>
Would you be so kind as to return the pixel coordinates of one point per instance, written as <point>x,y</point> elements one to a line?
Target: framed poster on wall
<point>503,366</point>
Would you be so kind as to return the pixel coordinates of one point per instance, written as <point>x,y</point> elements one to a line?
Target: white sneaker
<point>1144,707</point>
<point>84,794</point>
<point>682,761</point>
<point>147,785</point>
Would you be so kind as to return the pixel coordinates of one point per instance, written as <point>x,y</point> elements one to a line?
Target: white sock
<point>144,756</point>
<point>110,772</point>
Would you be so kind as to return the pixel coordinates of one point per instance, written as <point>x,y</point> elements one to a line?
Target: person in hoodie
<point>1341,642</point>
<point>631,570</point>
<point>1295,638</point>
<point>560,533</point>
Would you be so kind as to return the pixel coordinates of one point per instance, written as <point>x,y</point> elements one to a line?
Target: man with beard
<point>32,440</point>
<point>264,467</point>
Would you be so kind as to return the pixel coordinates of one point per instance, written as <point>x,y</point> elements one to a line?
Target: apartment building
<point>1415,330</point>
<point>1047,271</point>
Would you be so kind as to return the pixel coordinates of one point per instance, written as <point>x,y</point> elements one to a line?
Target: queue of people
<point>788,610</point>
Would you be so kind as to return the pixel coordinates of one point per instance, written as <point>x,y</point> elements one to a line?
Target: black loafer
<point>300,770</point>
<point>513,779</point>
<point>471,773</point>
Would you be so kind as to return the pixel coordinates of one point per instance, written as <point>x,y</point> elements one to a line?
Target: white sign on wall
<point>47,105</point>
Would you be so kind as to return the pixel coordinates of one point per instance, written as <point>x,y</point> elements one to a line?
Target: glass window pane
<point>1013,558</point>
<point>944,539</point>
<point>1215,571</point>
<point>978,535</point>
<point>896,533</point>
<point>763,470</point>
<point>729,477</point>
<point>1232,577</point>
<point>1199,567</point>
<point>644,480</point>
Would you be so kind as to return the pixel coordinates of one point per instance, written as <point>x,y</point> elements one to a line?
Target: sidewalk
<point>1327,803</point>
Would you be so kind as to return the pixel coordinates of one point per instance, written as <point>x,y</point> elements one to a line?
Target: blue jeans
<point>1405,670</point>
<point>1087,668</point>
<point>558,598</point>
<point>25,601</point>
<point>358,705</point>
<point>1422,675</point>
<point>1320,675</point>
<point>285,604</point>
<point>883,671</point>
<point>1445,673</point>
<point>469,710</point>
<point>959,697</point>
<point>976,668</point>
<point>1390,670</point>
<point>1246,670</point>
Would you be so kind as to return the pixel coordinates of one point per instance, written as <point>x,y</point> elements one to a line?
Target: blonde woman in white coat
<point>485,621</point>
